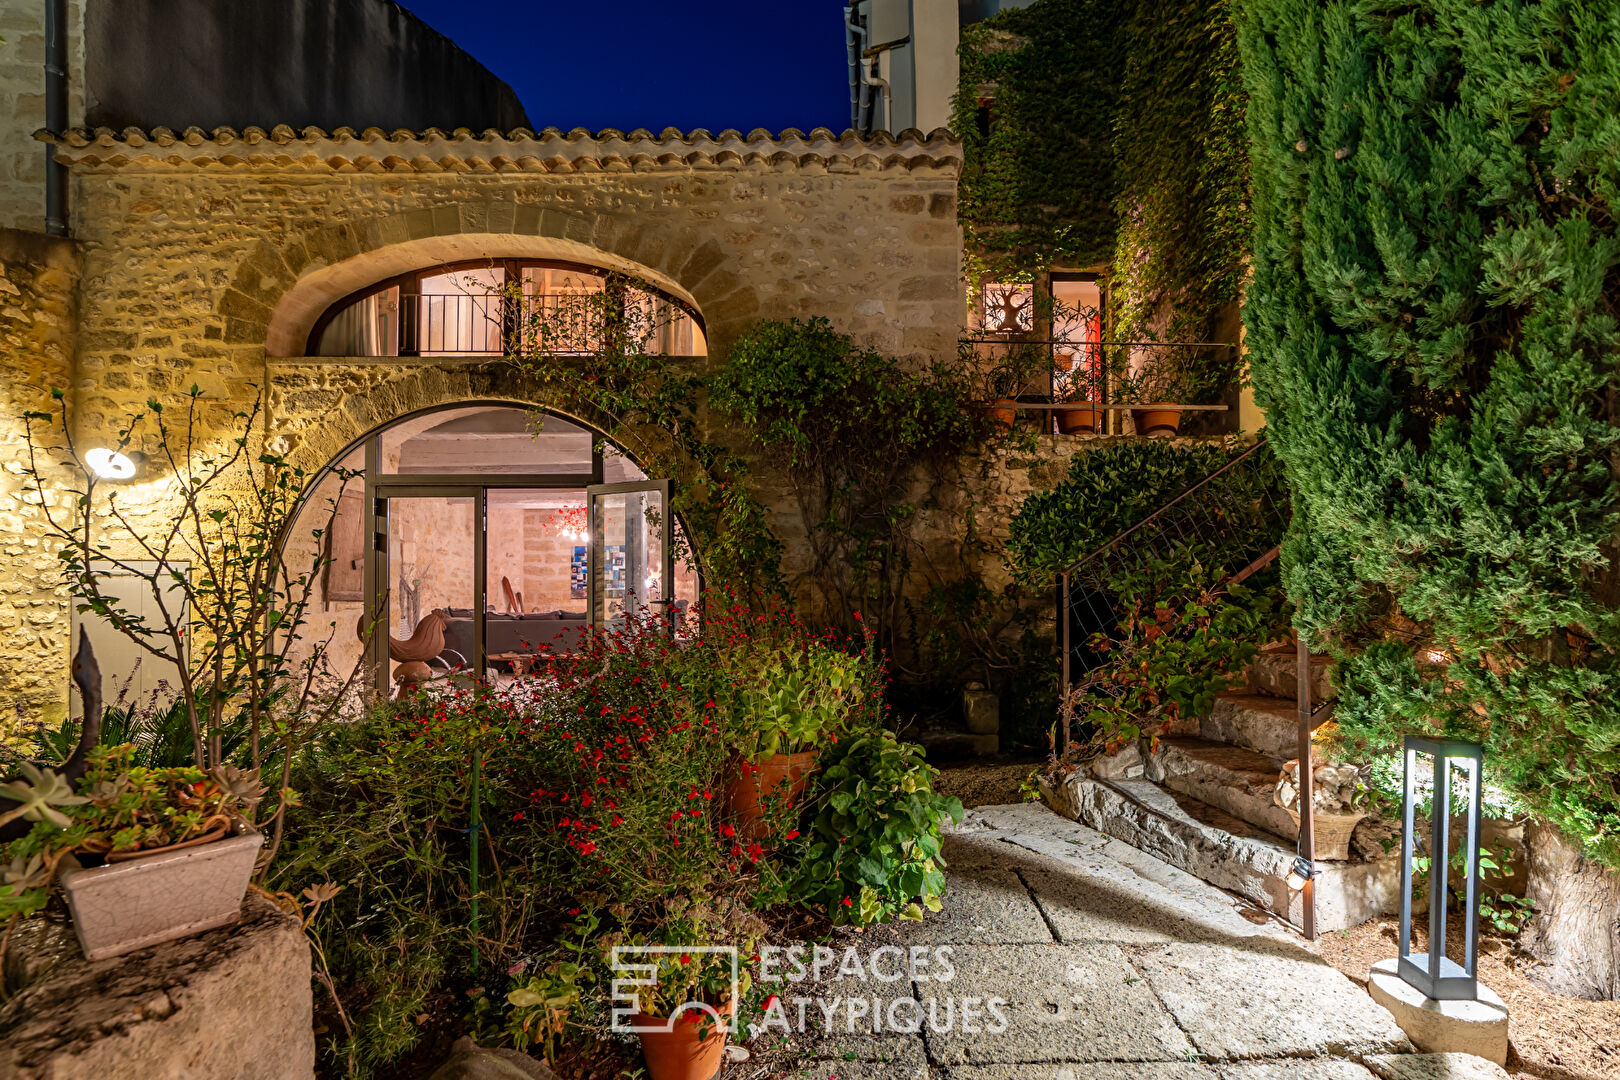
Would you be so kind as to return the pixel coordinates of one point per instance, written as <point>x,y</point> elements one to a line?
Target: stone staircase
<point>1203,801</point>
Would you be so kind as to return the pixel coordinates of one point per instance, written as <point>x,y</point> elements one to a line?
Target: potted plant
<point>789,700</point>
<point>687,994</point>
<point>1071,384</point>
<point>1011,375</point>
<point>143,855</point>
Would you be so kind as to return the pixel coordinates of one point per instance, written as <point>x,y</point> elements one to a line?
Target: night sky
<point>626,64</point>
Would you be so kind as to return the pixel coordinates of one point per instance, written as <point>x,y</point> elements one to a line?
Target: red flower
<point>793,835</point>
<point>685,959</point>
<point>846,902</point>
<point>727,831</point>
<point>518,816</point>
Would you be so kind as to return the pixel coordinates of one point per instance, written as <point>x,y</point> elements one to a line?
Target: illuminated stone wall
<point>37,279</point>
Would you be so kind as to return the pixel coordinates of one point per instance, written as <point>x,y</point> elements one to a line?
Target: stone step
<point>1276,674</point>
<point>1225,851</point>
<point>1233,779</point>
<point>1255,721</point>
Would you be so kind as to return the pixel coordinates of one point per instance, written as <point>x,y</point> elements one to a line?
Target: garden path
<point>1113,966</point>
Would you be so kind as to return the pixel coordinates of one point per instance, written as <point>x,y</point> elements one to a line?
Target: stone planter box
<point>125,906</point>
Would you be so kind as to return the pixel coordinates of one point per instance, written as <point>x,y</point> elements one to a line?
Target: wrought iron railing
<point>1081,380</point>
<point>1233,518</point>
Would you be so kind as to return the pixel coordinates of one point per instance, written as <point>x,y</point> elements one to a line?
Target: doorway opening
<point>478,538</point>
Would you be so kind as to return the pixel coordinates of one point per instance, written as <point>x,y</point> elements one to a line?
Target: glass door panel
<point>537,543</point>
<point>630,568</point>
<point>429,584</point>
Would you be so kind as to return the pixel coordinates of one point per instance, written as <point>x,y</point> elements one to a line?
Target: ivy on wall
<point>1038,180</point>
<point>1182,160</point>
<point>1114,138</point>
<point>1435,316</point>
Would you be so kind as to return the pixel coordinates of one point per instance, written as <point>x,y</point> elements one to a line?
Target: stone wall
<point>38,276</point>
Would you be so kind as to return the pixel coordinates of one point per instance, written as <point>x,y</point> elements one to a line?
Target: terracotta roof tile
<point>518,150</point>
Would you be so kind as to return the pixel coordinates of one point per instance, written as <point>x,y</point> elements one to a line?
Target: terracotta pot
<point>1156,422</point>
<point>747,788</point>
<point>129,905</point>
<point>1001,413</point>
<point>686,1050</point>
<point>1078,421</point>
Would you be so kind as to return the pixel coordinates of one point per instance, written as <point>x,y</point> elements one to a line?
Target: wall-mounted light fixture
<point>1433,973</point>
<point>110,464</point>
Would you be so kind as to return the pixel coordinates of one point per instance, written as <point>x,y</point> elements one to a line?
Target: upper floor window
<point>505,306</point>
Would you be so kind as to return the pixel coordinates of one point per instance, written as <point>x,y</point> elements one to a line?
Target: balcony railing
<point>1083,384</point>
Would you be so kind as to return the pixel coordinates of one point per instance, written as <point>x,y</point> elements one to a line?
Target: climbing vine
<point>1035,110</point>
<point>1108,135</point>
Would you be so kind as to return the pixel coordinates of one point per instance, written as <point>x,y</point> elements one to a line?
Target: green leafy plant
<point>789,697</point>
<point>1168,661</point>
<point>874,852</point>
<point>1105,492</point>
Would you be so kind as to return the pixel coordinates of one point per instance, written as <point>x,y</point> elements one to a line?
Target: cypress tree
<point>1432,332</point>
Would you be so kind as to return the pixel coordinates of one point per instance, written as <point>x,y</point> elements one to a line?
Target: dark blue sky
<point>643,63</point>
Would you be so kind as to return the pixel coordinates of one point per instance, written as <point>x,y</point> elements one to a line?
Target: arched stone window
<point>491,307</point>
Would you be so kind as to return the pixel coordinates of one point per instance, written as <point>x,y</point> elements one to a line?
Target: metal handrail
<point>1166,508</point>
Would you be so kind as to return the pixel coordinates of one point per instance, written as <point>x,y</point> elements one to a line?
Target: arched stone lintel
<point>280,291</point>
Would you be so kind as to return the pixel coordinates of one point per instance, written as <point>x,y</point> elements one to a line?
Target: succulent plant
<point>37,795</point>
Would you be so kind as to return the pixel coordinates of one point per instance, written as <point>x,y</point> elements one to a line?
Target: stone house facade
<point>205,259</point>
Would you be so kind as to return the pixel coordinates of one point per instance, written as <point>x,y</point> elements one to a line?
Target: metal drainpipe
<point>852,57</point>
<point>56,108</point>
<point>869,77</point>
<point>855,36</point>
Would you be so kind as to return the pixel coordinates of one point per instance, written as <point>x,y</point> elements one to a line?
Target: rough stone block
<point>982,711</point>
<point>231,1004</point>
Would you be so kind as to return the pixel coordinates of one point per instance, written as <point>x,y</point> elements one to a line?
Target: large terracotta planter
<point>687,1050</point>
<point>1001,413</point>
<point>1077,421</point>
<point>159,896</point>
<point>749,785</point>
<point>1156,422</point>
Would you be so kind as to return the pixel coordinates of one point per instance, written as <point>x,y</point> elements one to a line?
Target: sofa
<point>509,632</point>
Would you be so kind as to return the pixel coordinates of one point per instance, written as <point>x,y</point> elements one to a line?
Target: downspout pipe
<point>870,79</point>
<point>56,118</point>
<point>861,103</point>
<point>852,55</point>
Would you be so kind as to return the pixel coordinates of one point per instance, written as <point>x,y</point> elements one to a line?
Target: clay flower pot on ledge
<point>687,1048</point>
<point>159,895</point>
<point>749,784</point>
<point>1084,419</point>
<point>1156,423</point>
<point>1001,413</point>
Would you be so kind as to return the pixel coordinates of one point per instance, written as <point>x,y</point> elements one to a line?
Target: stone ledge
<point>231,1004</point>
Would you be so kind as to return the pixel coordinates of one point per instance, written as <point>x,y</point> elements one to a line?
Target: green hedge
<point>1432,321</point>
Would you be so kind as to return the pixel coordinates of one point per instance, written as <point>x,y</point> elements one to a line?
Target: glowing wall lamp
<point>109,464</point>
<point>1433,973</point>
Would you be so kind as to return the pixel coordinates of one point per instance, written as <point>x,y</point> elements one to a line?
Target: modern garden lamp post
<point>1434,974</point>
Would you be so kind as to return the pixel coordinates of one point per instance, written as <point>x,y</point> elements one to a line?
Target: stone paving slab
<point>858,1070</point>
<point>1302,1069</point>
<point>983,905</point>
<point>1070,1003</point>
<point>1132,1070</point>
<point>1435,1067</point>
<point>1250,1003</point>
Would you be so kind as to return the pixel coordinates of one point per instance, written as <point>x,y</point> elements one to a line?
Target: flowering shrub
<point>602,821</point>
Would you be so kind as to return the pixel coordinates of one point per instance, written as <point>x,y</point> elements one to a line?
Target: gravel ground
<point>989,781</point>
<point>1550,1036</point>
